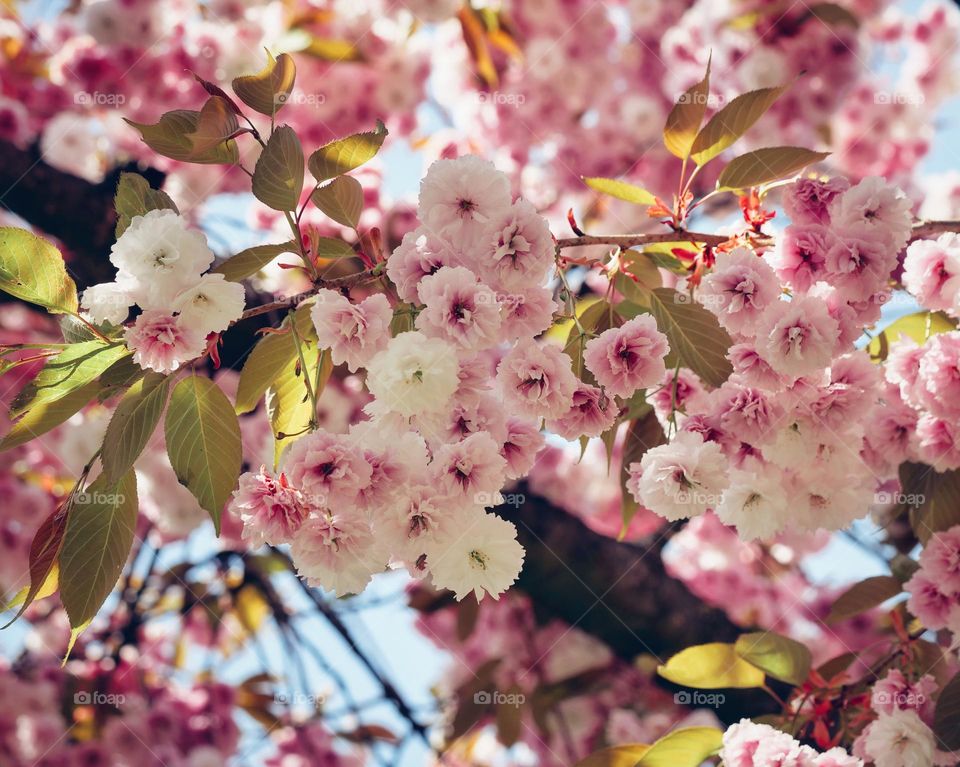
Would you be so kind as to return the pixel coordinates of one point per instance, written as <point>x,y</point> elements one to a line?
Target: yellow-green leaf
<point>288,404</point>
<point>216,124</point>
<point>696,338</point>
<point>626,755</point>
<point>268,90</point>
<point>731,122</point>
<point>341,200</point>
<point>918,327</point>
<point>42,418</point>
<point>278,175</point>
<point>33,270</point>
<point>622,190</point>
<point>74,367</point>
<point>686,747</point>
<point>170,136</point>
<point>132,425</point>
<point>203,442</point>
<point>780,657</point>
<point>346,154</point>
<point>268,359</point>
<point>135,198</point>
<point>252,260</point>
<point>863,596</point>
<point>710,667</point>
<point>762,166</point>
<point>331,247</point>
<point>684,119</point>
<point>96,544</point>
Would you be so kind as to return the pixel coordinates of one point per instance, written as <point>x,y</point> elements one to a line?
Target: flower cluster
<point>457,406</point>
<point>160,268</point>
<point>790,421</point>
<point>935,588</point>
<point>747,744</point>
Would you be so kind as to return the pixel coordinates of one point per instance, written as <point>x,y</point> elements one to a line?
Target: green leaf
<point>762,166</point>
<point>135,198</point>
<point>684,119</point>
<point>863,596</point>
<point>170,136</point>
<point>919,327</point>
<point>946,716</point>
<point>622,190</point>
<point>132,425</point>
<point>341,200</point>
<point>731,122</point>
<point>937,501</point>
<point>278,175</point>
<point>331,247</point>
<point>780,657</point>
<point>74,367</point>
<point>685,747</point>
<point>710,667</point>
<point>269,357</point>
<point>696,338</point>
<point>100,529</point>
<point>203,442</point>
<point>626,755</point>
<point>33,270</point>
<point>44,553</point>
<point>250,261</point>
<point>345,154</point>
<point>268,90</point>
<point>216,124</point>
<point>638,277</point>
<point>42,418</point>
<point>288,405</point>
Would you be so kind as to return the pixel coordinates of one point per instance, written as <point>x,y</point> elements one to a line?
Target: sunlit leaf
<point>778,656</point>
<point>42,418</point>
<point>346,154</point>
<point>250,261</point>
<point>622,190</point>
<point>33,270</point>
<point>731,122</point>
<point>203,442</point>
<point>170,137</point>
<point>684,119</point>
<point>44,553</point>
<point>762,166</point>
<point>268,90</point>
<point>685,747</point>
<point>341,200</point>
<point>278,176</point>
<point>919,327</point>
<point>74,367</point>
<point>216,124</point>
<point>711,666</point>
<point>626,755</point>
<point>132,424</point>
<point>96,544</point>
<point>268,359</point>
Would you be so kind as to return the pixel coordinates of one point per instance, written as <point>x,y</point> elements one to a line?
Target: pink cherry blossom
<point>591,414</point>
<point>354,333</point>
<point>537,379</point>
<point>270,509</point>
<point>161,343</point>
<point>629,357</point>
<point>459,309</point>
<point>797,337</point>
<point>739,288</point>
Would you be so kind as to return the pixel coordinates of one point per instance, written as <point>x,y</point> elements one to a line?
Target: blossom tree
<point>603,460</point>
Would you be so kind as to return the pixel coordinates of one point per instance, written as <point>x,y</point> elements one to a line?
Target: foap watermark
<point>910,500</point>
<point>299,699</point>
<point>893,298</point>
<point>898,699</point>
<point>500,499</point>
<point>96,698</point>
<point>699,698</point>
<point>699,498</point>
<point>300,99</point>
<point>905,98</point>
<point>711,100</point>
<point>98,499</point>
<point>497,698</point>
<point>498,98</point>
<point>99,99</point>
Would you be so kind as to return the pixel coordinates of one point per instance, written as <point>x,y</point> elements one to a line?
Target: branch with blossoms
<point>722,372</point>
